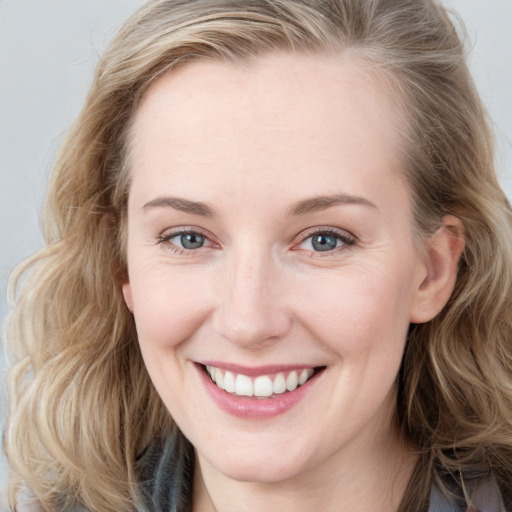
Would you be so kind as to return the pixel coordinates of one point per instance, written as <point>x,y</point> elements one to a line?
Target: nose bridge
<point>251,311</point>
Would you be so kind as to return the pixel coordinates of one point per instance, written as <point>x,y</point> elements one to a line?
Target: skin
<point>249,143</point>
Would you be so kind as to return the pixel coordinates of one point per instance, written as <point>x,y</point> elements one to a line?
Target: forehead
<point>287,115</point>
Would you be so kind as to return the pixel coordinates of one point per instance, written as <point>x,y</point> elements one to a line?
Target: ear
<point>443,251</point>
<point>127,294</point>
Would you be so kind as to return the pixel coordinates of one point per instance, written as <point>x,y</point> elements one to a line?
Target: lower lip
<point>251,407</point>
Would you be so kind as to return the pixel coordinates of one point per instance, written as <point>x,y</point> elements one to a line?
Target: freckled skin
<point>249,143</point>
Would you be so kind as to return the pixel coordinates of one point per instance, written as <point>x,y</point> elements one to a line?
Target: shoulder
<point>486,498</point>
<point>164,473</point>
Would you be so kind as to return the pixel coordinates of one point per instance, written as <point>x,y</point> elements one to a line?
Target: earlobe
<point>127,294</point>
<point>442,258</point>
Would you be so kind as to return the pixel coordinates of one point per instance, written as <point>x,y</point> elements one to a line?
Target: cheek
<point>168,307</point>
<point>359,313</point>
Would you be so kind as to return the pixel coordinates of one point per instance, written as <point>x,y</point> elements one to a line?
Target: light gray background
<point>48,50</point>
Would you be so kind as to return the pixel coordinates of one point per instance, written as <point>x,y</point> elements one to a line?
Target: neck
<point>368,476</point>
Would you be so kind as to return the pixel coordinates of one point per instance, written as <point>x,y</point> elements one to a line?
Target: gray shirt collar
<point>486,498</point>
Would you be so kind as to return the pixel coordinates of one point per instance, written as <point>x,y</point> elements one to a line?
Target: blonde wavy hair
<point>82,406</point>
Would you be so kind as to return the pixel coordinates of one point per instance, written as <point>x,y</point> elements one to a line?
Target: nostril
<point>252,324</point>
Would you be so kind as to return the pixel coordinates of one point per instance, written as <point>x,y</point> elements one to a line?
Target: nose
<point>251,311</point>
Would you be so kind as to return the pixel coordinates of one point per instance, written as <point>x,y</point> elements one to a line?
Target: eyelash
<point>166,237</point>
<point>347,240</point>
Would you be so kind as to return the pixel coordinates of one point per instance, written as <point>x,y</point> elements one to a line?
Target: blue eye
<point>184,240</point>
<point>191,240</point>
<point>325,241</point>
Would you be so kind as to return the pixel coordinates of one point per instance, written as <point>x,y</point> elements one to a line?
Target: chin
<point>265,467</point>
<point>256,473</point>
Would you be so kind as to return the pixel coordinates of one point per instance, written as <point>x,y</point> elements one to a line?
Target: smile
<point>261,386</point>
<point>258,393</point>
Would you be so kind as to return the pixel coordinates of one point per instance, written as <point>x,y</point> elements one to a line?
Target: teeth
<point>292,381</point>
<point>262,386</point>
<point>229,382</point>
<point>243,386</point>
<point>279,384</point>
<point>219,378</point>
<point>305,375</point>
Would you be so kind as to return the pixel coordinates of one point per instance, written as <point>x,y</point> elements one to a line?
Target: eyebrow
<point>310,205</point>
<point>183,205</point>
<point>319,203</point>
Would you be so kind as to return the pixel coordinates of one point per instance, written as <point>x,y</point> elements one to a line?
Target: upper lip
<point>255,371</point>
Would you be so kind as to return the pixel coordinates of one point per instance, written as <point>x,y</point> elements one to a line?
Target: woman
<point>277,273</point>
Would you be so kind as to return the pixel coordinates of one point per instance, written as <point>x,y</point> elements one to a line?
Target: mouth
<point>264,386</point>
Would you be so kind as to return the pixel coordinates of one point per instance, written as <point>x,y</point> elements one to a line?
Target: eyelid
<point>348,239</point>
<point>345,236</point>
<point>166,235</point>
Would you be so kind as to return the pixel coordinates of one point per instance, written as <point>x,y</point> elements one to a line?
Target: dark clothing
<point>165,474</point>
<point>166,471</point>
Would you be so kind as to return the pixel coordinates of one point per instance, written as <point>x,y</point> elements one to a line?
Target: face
<point>270,245</point>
